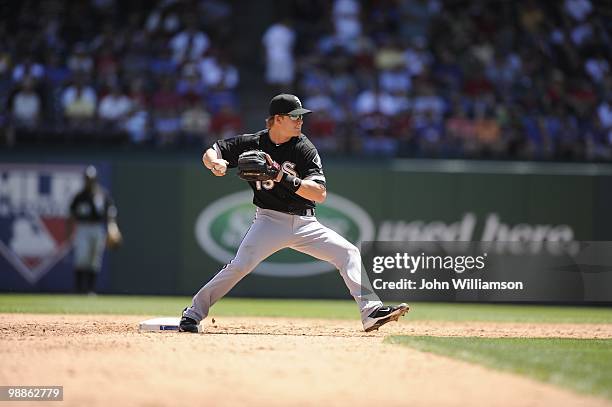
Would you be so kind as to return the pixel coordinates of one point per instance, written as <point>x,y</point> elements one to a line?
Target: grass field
<point>332,309</point>
<point>584,365</point>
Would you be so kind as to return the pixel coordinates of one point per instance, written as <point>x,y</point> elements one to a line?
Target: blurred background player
<point>93,214</point>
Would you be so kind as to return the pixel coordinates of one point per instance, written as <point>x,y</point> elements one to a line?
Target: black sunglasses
<point>294,117</point>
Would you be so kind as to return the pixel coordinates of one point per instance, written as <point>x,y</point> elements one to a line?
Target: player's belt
<point>298,212</point>
<point>302,212</point>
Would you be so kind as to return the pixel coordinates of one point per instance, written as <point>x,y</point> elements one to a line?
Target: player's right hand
<point>219,167</point>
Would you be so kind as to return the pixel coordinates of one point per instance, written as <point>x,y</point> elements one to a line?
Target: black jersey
<point>93,206</point>
<point>298,157</point>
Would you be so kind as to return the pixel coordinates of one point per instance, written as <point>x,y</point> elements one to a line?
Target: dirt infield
<point>104,360</point>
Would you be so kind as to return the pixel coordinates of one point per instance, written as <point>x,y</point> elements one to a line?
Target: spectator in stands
<point>579,10</point>
<point>137,93</point>
<point>107,65</point>
<point>135,61</point>
<point>221,80</point>
<point>416,16</point>
<point>487,133</point>
<point>189,44</point>
<point>375,100</point>
<point>81,62</point>
<point>581,96</point>
<point>56,73</point>
<point>167,126</point>
<point>597,66</point>
<point>166,96</point>
<point>162,19</point>
<point>28,69</point>
<point>395,79</point>
<point>166,103</point>
<point>570,145</point>
<point>162,64</point>
<point>79,103</point>
<point>5,63</point>
<point>599,143</point>
<point>503,70</point>
<point>322,130</point>
<point>460,131</point>
<point>278,41</point>
<point>195,124</point>
<point>136,124</point>
<point>347,22</point>
<point>428,130</point>
<point>551,126</point>
<point>115,107</point>
<point>191,85</point>
<point>379,143</point>
<point>446,70</point>
<point>604,115</point>
<point>218,73</point>
<point>226,123</point>
<point>426,101</point>
<point>27,105</point>
<point>417,59</point>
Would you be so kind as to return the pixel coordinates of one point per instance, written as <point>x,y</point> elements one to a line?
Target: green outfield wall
<point>181,224</point>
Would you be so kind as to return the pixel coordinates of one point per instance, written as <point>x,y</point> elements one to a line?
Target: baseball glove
<point>256,165</point>
<point>113,236</point>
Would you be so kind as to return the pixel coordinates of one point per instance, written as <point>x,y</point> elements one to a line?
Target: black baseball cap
<point>287,104</point>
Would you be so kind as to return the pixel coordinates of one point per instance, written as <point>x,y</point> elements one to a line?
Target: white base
<point>167,324</point>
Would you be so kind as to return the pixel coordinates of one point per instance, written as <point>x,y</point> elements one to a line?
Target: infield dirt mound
<point>104,360</point>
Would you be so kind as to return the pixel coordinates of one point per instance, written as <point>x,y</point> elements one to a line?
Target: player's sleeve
<point>229,150</point>
<point>311,167</point>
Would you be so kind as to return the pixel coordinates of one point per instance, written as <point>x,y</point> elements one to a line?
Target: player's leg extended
<point>84,248</point>
<point>98,245</point>
<point>325,244</point>
<point>268,234</point>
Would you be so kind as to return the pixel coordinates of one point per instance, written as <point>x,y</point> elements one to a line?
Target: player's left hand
<point>273,163</point>
<point>257,165</point>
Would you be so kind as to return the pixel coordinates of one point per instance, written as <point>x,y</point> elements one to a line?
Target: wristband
<point>290,182</point>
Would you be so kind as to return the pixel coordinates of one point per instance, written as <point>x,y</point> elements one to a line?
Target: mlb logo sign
<point>34,209</point>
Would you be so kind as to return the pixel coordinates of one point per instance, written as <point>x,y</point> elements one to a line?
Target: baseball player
<point>93,213</point>
<point>285,214</point>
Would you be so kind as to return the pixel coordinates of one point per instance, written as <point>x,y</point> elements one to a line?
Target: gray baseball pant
<point>272,231</point>
<point>89,245</point>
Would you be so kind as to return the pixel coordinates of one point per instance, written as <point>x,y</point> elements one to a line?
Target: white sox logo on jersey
<point>288,168</point>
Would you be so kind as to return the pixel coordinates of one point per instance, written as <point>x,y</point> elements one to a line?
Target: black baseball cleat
<point>188,324</point>
<point>383,315</point>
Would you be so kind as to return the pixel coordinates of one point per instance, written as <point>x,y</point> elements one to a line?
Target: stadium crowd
<point>430,78</point>
<point>117,72</point>
<point>411,78</point>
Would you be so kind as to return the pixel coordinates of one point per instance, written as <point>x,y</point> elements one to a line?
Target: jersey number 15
<point>288,167</point>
